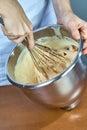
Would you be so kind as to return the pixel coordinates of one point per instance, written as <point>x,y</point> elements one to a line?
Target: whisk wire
<point>54,53</point>
<point>47,60</point>
<point>37,60</point>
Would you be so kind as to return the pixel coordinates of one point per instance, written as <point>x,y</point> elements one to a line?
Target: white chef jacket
<point>40,13</point>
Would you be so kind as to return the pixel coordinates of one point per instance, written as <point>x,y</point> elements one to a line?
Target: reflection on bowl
<point>66,89</point>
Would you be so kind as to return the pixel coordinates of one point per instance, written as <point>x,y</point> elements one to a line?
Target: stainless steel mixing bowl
<point>66,89</point>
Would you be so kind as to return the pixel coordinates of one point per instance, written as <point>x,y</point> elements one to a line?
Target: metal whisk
<point>48,61</point>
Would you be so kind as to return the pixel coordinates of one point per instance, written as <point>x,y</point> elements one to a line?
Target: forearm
<point>61,7</point>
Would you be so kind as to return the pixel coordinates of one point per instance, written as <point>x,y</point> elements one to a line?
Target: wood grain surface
<point>18,112</point>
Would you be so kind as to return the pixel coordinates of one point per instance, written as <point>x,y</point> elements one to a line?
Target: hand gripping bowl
<point>63,91</point>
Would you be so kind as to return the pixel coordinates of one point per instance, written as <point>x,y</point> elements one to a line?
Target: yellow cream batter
<point>25,71</point>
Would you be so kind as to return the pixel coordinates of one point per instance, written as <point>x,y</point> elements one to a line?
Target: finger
<point>5,31</point>
<point>19,40</point>
<point>84,33</point>
<point>85,44</point>
<point>10,35</point>
<point>30,39</point>
<point>84,51</point>
<point>75,33</point>
<point>14,38</point>
<point>74,30</point>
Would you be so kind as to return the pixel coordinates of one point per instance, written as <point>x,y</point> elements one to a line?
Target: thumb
<point>74,30</point>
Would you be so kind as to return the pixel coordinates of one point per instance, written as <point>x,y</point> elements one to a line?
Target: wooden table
<point>18,112</point>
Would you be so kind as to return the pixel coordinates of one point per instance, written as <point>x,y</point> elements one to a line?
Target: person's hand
<point>76,25</point>
<point>16,26</point>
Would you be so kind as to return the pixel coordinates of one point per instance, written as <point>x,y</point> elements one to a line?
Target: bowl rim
<point>46,83</point>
